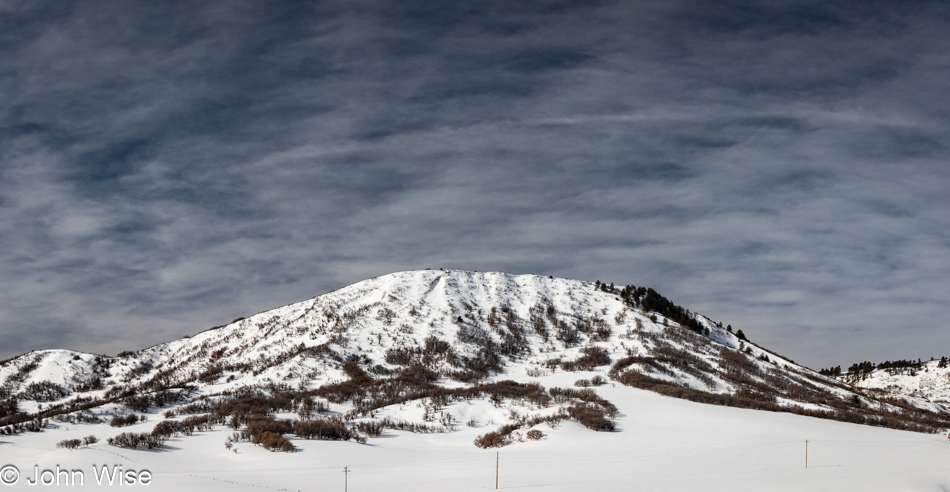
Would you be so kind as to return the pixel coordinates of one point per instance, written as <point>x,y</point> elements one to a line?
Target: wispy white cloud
<point>777,166</point>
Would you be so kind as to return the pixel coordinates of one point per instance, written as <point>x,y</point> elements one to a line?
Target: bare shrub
<point>417,374</point>
<point>123,421</point>
<point>259,424</point>
<point>69,444</point>
<point>211,374</point>
<point>274,442</point>
<point>324,430</point>
<point>591,416</point>
<point>601,333</point>
<point>491,440</point>
<point>42,391</point>
<point>591,358</point>
<point>405,425</point>
<point>534,434</point>
<point>371,429</point>
<point>736,365</point>
<point>166,428</point>
<point>535,372</point>
<point>310,406</point>
<point>132,440</point>
<point>567,334</point>
<point>8,407</point>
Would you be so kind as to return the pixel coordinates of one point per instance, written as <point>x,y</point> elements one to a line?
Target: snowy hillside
<point>927,381</point>
<point>460,327</point>
<point>450,358</point>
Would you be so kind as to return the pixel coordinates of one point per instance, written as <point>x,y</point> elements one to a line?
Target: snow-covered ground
<point>664,444</point>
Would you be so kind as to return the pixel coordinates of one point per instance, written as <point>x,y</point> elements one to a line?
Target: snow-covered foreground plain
<point>661,444</point>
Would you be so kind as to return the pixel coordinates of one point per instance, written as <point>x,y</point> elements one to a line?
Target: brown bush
<point>405,425</point>
<point>534,434</point>
<point>260,424</point>
<point>274,442</point>
<point>120,421</point>
<point>132,440</point>
<point>372,429</point>
<point>491,440</point>
<point>591,358</point>
<point>417,374</point>
<point>591,416</point>
<point>322,429</point>
<point>69,444</point>
<point>166,428</point>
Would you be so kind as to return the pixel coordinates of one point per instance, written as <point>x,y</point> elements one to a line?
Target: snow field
<point>662,444</point>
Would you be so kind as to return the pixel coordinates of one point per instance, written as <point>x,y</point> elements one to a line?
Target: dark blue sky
<point>170,166</point>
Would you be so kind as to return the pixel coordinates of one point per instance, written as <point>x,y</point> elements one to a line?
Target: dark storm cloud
<point>168,167</point>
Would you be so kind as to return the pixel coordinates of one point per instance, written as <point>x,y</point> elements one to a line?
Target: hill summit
<point>396,351</point>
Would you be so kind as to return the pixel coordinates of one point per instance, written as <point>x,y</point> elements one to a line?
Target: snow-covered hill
<point>464,327</point>
<point>497,357</point>
<point>929,381</point>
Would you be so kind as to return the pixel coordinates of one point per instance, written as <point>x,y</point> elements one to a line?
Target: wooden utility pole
<point>496,470</point>
<point>806,453</point>
<point>346,478</point>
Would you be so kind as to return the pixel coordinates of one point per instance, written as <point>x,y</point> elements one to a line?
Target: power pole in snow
<point>496,470</point>
<point>806,453</point>
<point>346,478</point>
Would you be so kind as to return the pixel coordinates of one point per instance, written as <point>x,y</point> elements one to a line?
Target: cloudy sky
<point>170,166</point>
